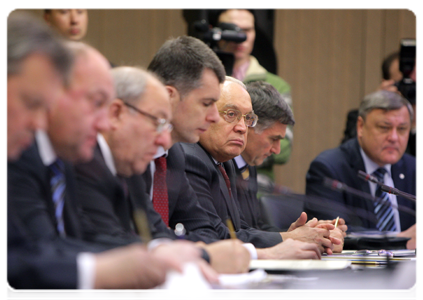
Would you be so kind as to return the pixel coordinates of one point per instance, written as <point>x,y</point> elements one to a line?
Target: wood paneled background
<point>331,58</point>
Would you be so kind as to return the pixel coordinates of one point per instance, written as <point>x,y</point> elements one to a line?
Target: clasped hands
<point>321,232</point>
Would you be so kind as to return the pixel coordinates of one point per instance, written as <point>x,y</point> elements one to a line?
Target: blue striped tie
<point>383,210</point>
<point>58,188</point>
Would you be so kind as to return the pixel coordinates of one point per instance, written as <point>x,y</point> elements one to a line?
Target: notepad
<point>297,264</point>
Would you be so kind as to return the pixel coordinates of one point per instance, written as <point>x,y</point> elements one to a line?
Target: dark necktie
<point>225,176</point>
<point>124,186</point>
<point>383,210</point>
<point>160,196</point>
<point>58,189</point>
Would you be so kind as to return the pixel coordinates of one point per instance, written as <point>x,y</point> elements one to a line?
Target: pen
<point>336,222</point>
<point>231,228</point>
<point>141,223</point>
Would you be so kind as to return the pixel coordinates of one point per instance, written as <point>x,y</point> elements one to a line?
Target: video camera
<point>222,32</point>
<point>407,86</point>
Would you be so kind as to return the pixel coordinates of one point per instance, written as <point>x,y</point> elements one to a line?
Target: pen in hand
<point>141,223</point>
<point>336,222</point>
<point>231,228</point>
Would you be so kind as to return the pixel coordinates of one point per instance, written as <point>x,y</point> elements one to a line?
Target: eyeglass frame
<point>226,113</point>
<point>160,123</point>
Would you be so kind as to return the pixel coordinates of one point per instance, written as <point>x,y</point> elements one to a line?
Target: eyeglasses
<point>231,115</point>
<point>160,123</point>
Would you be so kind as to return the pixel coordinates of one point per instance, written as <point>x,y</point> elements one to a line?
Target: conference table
<point>389,281</point>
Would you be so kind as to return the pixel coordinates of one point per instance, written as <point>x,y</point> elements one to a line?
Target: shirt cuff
<point>85,270</point>
<point>250,247</point>
<point>157,242</point>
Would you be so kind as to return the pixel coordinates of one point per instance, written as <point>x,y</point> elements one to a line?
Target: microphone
<point>386,188</point>
<point>336,185</point>
<point>270,189</point>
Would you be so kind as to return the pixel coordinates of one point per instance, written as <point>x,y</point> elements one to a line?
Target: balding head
<point>76,119</point>
<point>224,140</point>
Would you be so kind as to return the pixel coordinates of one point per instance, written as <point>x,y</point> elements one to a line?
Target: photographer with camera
<point>247,69</point>
<point>399,75</point>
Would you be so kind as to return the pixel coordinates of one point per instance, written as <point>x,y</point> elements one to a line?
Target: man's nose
<point>213,114</point>
<point>164,139</point>
<point>240,126</point>
<point>276,147</point>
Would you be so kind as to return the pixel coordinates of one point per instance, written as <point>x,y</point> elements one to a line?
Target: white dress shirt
<point>85,261</point>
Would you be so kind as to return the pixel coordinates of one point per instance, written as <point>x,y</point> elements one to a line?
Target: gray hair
<point>385,100</point>
<point>130,83</point>
<point>26,36</point>
<point>269,106</point>
<point>180,62</point>
<point>234,80</point>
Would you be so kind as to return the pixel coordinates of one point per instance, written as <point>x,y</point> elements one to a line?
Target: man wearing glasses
<point>211,174</point>
<point>139,117</point>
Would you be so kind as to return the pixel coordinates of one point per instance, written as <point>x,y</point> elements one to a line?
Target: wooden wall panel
<point>332,59</point>
<point>131,36</point>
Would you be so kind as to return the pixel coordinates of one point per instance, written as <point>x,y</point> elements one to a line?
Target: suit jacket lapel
<point>357,164</point>
<point>173,177</point>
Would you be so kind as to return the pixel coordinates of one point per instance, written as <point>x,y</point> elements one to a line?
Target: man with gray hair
<point>274,114</point>
<point>383,127</point>
<point>264,139</point>
<point>139,115</point>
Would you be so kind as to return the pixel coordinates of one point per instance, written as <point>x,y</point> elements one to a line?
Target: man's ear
<point>360,124</point>
<point>174,95</point>
<point>115,113</point>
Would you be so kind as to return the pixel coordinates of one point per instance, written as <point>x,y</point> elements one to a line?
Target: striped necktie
<point>58,189</point>
<point>383,210</point>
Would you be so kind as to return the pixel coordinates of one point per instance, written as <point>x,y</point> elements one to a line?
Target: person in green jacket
<point>247,69</point>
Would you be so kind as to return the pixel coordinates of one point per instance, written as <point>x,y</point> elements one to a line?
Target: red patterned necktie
<point>225,176</point>
<point>160,197</point>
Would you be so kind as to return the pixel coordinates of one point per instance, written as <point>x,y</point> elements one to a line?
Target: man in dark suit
<point>263,140</point>
<point>106,196</point>
<point>205,167</point>
<point>274,114</point>
<point>383,127</point>
<point>38,64</point>
<point>193,99</point>
<point>73,122</point>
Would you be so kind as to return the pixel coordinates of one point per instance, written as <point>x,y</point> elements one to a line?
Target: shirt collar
<point>161,152</point>
<point>371,166</point>
<point>240,162</point>
<point>45,148</point>
<point>107,154</point>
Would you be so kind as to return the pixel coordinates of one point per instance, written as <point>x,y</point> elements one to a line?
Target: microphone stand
<point>336,185</point>
<point>386,188</point>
